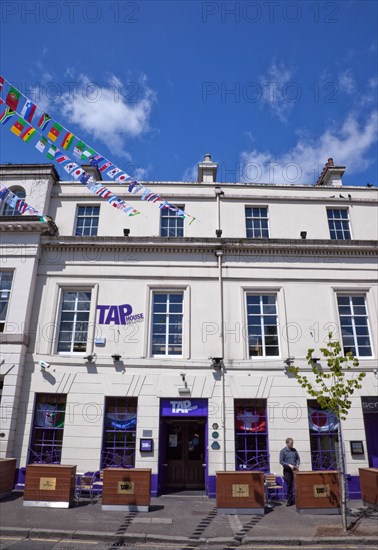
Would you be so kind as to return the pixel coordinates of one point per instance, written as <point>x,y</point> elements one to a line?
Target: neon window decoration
<point>119,438</point>
<point>251,435</point>
<point>48,428</point>
<point>323,426</point>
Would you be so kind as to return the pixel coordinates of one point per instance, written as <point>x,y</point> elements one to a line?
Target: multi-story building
<point>147,341</point>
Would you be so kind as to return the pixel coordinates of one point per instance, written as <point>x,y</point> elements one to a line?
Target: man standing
<point>289,459</point>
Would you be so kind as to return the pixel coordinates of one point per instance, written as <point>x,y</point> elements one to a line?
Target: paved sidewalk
<point>184,519</point>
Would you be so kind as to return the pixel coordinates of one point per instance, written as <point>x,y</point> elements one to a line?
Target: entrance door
<point>185,454</point>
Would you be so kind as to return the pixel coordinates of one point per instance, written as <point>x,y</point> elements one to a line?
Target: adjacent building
<point>147,341</point>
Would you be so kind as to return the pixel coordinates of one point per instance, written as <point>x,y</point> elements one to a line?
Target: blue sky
<point>270,90</point>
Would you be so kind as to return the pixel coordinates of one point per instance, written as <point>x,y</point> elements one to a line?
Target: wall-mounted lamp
<point>218,232</point>
<point>218,190</point>
<point>185,390</point>
<point>216,362</point>
<point>289,361</point>
<point>116,357</point>
<point>89,358</point>
<point>126,232</point>
<point>303,234</point>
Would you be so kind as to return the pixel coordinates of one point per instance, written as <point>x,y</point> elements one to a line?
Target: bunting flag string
<point>26,132</point>
<point>7,196</point>
<point>54,132</point>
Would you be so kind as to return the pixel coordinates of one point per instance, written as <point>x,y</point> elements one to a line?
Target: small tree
<point>332,390</point>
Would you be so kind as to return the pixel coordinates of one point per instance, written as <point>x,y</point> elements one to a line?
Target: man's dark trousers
<point>289,480</point>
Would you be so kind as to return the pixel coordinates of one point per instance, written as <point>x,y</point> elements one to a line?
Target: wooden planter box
<point>7,473</point>
<point>369,486</point>
<point>126,489</point>
<point>317,492</point>
<point>240,492</point>
<point>50,485</point>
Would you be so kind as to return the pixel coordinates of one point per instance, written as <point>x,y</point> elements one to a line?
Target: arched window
<point>8,210</point>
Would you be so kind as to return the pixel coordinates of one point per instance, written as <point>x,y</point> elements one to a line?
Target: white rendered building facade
<point>147,341</point>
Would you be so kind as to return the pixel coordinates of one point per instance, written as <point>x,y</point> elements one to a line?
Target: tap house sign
<point>119,315</point>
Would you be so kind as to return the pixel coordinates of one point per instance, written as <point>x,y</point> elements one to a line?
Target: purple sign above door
<point>183,407</point>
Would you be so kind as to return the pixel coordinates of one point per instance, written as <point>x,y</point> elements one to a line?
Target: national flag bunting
<point>43,121</point>
<point>1,83</point>
<point>122,178</point>
<point>6,115</point>
<point>70,166</point>
<point>54,132</point>
<point>28,110</point>
<point>61,158</point>
<point>67,140</point>
<point>41,145</point>
<point>28,133</point>
<point>95,161</point>
<point>112,174</point>
<point>18,126</point>
<point>79,149</point>
<point>13,98</point>
<point>103,192</point>
<point>105,166</point>
<point>51,152</point>
<point>77,173</point>
<point>87,153</point>
<point>84,178</point>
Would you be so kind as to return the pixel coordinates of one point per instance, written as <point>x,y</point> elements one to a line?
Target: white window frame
<point>346,209</point>
<point>9,292</point>
<point>53,332</point>
<point>147,346</point>
<point>166,345</point>
<point>14,212</point>
<point>169,214</point>
<point>259,218</point>
<point>349,294</point>
<point>91,217</point>
<point>261,292</point>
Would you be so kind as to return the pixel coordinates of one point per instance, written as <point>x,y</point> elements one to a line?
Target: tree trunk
<point>341,469</point>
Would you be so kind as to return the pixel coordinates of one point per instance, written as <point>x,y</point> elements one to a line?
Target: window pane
<point>262,325</point>
<point>354,325</point>
<point>167,319</point>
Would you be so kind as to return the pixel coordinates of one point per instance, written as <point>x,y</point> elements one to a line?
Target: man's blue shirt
<point>289,456</point>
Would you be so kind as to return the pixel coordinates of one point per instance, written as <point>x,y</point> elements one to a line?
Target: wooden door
<point>185,454</point>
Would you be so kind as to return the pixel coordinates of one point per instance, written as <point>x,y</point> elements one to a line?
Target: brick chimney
<point>331,175</point>
<point>207,170</point>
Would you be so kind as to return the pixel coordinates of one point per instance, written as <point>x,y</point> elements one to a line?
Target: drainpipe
<point>219,254</point>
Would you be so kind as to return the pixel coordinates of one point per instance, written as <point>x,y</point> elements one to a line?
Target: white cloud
<point>190,174</point>
<point>347,83</point>
<point>347,144</point>
<point>370,94</point>
<point>278,90</point>
<point>107,113</point>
